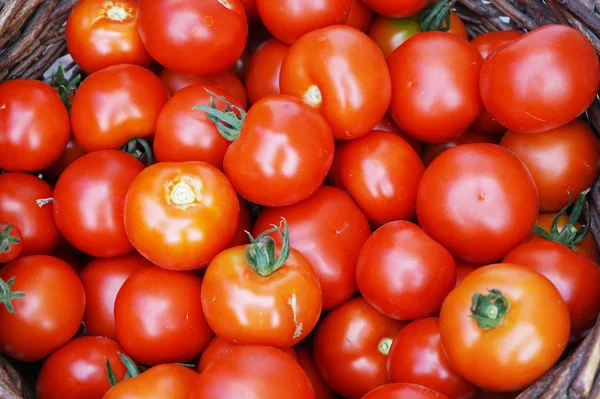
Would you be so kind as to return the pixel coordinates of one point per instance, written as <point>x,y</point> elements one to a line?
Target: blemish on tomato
<point>208,21</point>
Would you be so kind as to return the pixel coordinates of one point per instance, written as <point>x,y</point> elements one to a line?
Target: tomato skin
<point>18,195</point>
<point>435,86</point>
<point>306,361</point>
<point>561,160</point>
<point>49,314</point>
<point>116,104</point>
<point>262,76</point>
<point>77,370</point>
<point>244,224</point>
<point>72,152</point>
<point>250,8</point>
<point>488,42</point>
<point>396,8</point>
<point>587,247</point>
<point>463,269</point>
<point>403,391</point>
<point>387,124</point>
<point>34,125</point>
<point>329,230</point>
<point>536,103</point>
<point>432,151</point>
<point>457,26</point>
<point>455,202</point>
<point>486,123</point>
<point>390,33</point>
<point>346,347</point>
<point>492,359</point>
<point>198,212</point>
<point>360,16</point>
<point>13,249</point>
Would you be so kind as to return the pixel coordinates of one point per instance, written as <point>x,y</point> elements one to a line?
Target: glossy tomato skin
<point>403,273</point>
<point>587,247</point>
<point>49,314</point>
<point>432,151</point>
<point>102,279</point>
<point>312,69</point>
<point>536,103</point>
<point>198,38</point>
<point>360,16</point>
<point>307,362</point>
<point>77,370</point>
<point>18,195</point>
<point>12,249</point>
<point>390,33</point>
<point>431,105</point>
<point>350,345</point>
<point>493,359</point>
<point>456,202</point>
<point>403,391</point>
<point>197,214</point>
<point>264,66</point>
<point>34,125</point>
<point>562,160</point>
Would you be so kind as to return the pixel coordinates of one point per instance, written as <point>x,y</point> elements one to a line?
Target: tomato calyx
<point>132,369</point>
<point>384,345</point>
<point>260,253</point>
<point>7,295</point>
<point>436,16</point>
<point>6,240</point>
<point>66,88</point>
<point>229,122</point>
<point>489,310</point>
<point>140,149</point>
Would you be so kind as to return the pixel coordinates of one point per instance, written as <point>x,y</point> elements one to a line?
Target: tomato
<point>244,224</point>
<point>186,134</point>
<point>351,346</point>
<point>329,230</point>
<point>435,86</point>
<point>517,331</point>
<point>240,66</point>
<point>49,313</point>
<point>562,160</point>
<point>587,247</point>
<point>199,38</point>
<point>19,195</point>
<point>360,16</point>
<point>432,151</point>
<point>180,215</point>
<point>253,372</point>
<point>250,8</point>
<point>71,152</point>
<point>387,124</point>
<point>77,370</point>
<point>403,391</point>
<point>341,72</point>
<point>381,172</point>
<point>102,33</point>
<point>11,242</point>
<point>390,33</point>
<point>521,91</point>
<point>306,361</point>
<point>486,123</point>
<point>262,76</point>
<point>396,8</point>
<point>116,104</point>
<point>417,357</point>
<point>478,214</point>
<point>288,20</point>
<point>488,42</point>
<point>463,269</point>
<point>34,125</point>
<point>457,26</point>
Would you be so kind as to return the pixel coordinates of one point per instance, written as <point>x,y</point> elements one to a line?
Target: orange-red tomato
<point>457,26</point>
<point>390,33</point>
<point>11,242</point>
<point>432,151</point>
<point>250,7</point>
<point>71,152</point>
<point>306,361</point>
<point>396,8</point>
<point>463,269</point>
<point>387,124</point>
<point>244,224</point>
<point>403,391</point>
<point>360,16</point>
<point>262,75</point>
<point>587,247</point>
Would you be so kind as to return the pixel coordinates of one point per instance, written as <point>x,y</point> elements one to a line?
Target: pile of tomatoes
<point>297,199</point>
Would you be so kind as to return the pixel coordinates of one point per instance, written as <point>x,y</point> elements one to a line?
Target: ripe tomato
<point>77,370</point>
<point>88,202</point>
<point>11,242</point>
<point>457,26</point>
<point>404,273</point>
<point>562,160</point>
<point>478,214</point>
<point>432,151</point>
<point>180,215</point>
<point>199,38</point>
<point>387,124</point>
<point>504,326</point>
<point>587,247</point>
<point>486,123</point>
<point>19,195</point>
<point>287,20</point>
<point>250,8</point>
<point>342,73</point>
<point>253,372</point>
<point>71,152</point>
<point>435,86</point>
<point>521,91</point>
<point>49,313</point>
<point>262,76</point>
<point>390,33</point>
<point>34,125</point>
<point>306,361</point>
<point>351,346</point>
<point>417,357</point>
<point>244,224</point>
<point>103,33</point>
<point>463,269</point>
<point>396,8</point>
<point>359,17</point>
<point>403,391</point>
<point>329,230</point>
<point>102,279</point>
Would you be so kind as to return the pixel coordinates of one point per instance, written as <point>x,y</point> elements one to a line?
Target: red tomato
<point>351,346</point>
<point>329,230</point>
<point>244,224</point>
<point>26,202</point>
<point>77,370</point>
<point>396,8</point>
<point>478,213</point>
<point>342,73</point>
<point>488,42</point>
<point>587,247</point>
<point>71,152</point>
<point>116,104</point>
<point>486,123</point>
<point>240,66</point>
<point>11,242</point>
<point>306,361</point>
<point>387,124</point>
<point>180,215</point>
<point>103,33</point>
<point>463,269</point>
<point>435,86</point>
<point>403,391</point>
<point>262,76</point>
<point>195,37</point>
<point>34,125</point>
<point>432,151</point>
<point>404,273</point>
<point>457,26</point>
<point>417,357</point>
<point>562,160</point>
<point>390,33</point>
<point>287,20</point>
<point>519,81</point>
<point>360,16</point>
<point>48,315</point>
<point>253,372</point>
<point>250,7</point>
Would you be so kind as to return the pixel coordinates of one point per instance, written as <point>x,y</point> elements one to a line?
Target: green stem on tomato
<point>489,310</point>
<point>132,369</point>
<point>7,295</point>
<point>6,239</point>
<point>229,122</point>
<point>260,254</point>
<point>65,88</point>
<point>131,147</point>
<point>436,16</point>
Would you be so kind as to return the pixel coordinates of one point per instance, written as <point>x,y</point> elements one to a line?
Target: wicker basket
<point>32,39</point>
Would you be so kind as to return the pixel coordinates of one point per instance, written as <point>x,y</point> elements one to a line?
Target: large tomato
<point>34,125</point>
<point>262,76</point>
<point>432,151</point>
<point>390,33</point>
<point>360,16</point>
<point>587,247</point>
<point>11,242</point>
<point>404,391</point>
<point>478,213</point>
<point>341,72</point>
<point>519,81</point>
<point>180,215</point>
<point>396,8</point>
<point>195,37</point>
<point>504,326</point>
<point>307,362</point>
